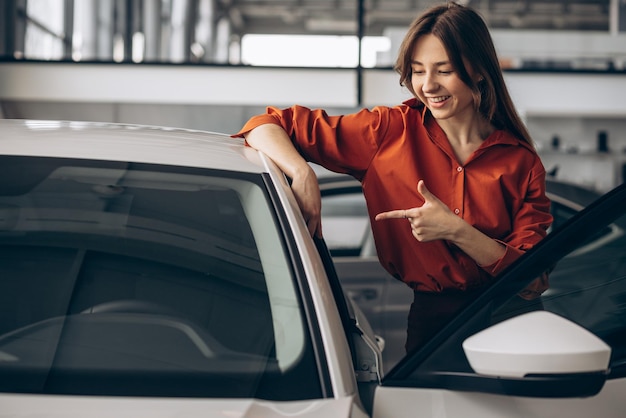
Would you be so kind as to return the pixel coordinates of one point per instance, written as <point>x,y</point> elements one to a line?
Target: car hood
<point>24,405</point>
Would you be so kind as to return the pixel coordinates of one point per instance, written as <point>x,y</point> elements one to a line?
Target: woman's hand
<point>431,221</point>
<point>434,220</point>
<point>306,189</point>
<point>272,140</point>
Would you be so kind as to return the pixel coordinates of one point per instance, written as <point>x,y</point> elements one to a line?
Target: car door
<point>545,339</point>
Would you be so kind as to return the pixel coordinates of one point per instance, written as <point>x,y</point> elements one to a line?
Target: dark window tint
<point>122,279</point>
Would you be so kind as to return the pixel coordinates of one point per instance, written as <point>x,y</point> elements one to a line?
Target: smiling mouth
<point>438,99</point>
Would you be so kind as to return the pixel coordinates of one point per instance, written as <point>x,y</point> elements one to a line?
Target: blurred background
<point>210,64</point>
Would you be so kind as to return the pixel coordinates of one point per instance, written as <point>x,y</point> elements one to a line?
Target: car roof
<point>127,142</point>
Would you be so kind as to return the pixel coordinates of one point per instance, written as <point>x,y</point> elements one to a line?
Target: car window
<point>561,213</point>
<point>134,279</point>
<point>345,223</point>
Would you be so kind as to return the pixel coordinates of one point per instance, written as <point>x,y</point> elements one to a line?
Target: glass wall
<point>308,33</point>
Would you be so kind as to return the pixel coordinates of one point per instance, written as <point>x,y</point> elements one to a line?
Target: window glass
<point>43,36</point>
<point>345,222</point>
<point>125,279</point>
<point>587,35</point>
<point>561,213</point>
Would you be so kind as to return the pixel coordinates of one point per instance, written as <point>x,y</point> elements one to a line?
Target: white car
<point>154,272</point>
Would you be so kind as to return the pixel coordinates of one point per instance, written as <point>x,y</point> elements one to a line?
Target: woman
<point>454,187</point>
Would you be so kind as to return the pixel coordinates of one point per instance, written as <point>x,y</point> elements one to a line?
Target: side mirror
<point>544,348</point>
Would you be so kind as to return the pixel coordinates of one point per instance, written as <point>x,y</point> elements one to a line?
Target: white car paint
<point>119,142</point>
<point>23,406</point>
<point>537,342</point>
<point>436,403</point>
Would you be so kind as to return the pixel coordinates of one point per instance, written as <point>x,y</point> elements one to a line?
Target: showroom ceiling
<point>340,16</point>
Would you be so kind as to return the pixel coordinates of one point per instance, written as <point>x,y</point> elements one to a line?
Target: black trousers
<point>431,311</point>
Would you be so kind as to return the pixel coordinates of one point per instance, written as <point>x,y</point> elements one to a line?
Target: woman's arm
<point>273,141</point>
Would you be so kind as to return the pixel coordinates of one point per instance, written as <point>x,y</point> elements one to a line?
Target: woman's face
<point>436,82</point>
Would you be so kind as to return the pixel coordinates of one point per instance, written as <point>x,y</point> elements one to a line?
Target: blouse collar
<point>497,137</point>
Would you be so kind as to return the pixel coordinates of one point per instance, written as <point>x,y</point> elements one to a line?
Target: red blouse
<point>500,189</point>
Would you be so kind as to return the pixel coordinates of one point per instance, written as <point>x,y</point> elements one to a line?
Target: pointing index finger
<point>392,214</point>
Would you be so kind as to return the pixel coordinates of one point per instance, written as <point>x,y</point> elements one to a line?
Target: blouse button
<point>459,169</point>
<point>457,211</point>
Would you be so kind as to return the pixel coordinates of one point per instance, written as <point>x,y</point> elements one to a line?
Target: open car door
<point>560,354</point>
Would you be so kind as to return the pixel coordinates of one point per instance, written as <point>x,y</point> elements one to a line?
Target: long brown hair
<point>466,39</point>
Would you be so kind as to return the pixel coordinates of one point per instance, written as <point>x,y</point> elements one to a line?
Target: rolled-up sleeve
<point>344,143</point>
<point>255,121</point>
<point>530,222</point>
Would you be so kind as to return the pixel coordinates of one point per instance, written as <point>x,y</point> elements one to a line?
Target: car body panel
<point>19,406</point>
<point>445,403</point>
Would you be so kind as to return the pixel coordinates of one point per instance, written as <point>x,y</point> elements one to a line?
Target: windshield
<point>144,280</point>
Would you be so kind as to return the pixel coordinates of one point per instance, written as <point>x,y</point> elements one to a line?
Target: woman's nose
<point>430,84</point>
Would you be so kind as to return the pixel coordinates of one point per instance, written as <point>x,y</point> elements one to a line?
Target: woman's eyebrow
<point>438,63</point>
